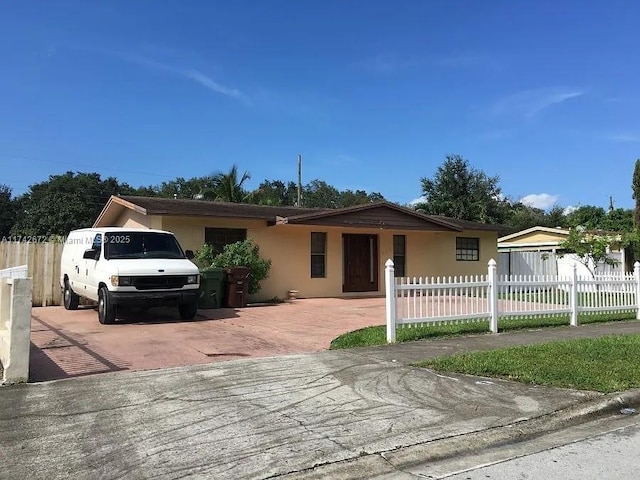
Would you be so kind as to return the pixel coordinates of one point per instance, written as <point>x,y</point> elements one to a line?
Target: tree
<point>227,187</point>
<point>276,193</point>
<point>587,216</point>
<point>619,220</point>
<point>635,185</point>
<point>185,188</point>
<point>459,191</point>
<point>592,249</point>
<point>320,194</point>
<point>349,198</point>
<point>7,211</point>
<point>63,203</point>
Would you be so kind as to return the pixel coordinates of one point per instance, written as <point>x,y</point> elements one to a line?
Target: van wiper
<point>162,254</point>
<point>125,255</point>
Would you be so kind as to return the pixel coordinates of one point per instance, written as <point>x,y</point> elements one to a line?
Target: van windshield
<point>141,245</point>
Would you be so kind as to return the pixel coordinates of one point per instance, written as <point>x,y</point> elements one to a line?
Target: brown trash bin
<point>237,287</point>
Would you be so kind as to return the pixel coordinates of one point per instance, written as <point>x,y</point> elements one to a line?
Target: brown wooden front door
<point>360,254</point>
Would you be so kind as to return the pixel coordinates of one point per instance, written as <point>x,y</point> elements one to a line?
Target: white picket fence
<point>418,301</point>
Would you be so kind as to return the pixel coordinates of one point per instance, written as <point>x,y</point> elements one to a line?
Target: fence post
<point>636,275</point>
<point>493,296</point>
<point>390,300</point>
<point>573,297</point>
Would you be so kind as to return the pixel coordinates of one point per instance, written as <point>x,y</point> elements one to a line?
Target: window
<point>467,249</point>
<point>218,238</point>
<point>318,254</point>
<point>399,245</point>
<point>136,245</point>
<point>97,245</point>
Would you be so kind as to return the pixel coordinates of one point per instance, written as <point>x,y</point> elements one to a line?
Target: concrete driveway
<point>73,343</point>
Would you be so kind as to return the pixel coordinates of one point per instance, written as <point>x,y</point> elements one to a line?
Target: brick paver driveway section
<point>73,343</point>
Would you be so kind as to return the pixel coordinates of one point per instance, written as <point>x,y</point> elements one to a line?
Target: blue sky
<point>373,94</point>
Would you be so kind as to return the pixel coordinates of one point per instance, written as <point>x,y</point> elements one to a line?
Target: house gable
<point>377,215</point>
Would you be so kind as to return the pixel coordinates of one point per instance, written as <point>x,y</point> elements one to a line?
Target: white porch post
<point>390,300</point>
<point>493,296</point>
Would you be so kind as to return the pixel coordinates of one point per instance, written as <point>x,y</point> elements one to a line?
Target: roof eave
<point>117,202</point>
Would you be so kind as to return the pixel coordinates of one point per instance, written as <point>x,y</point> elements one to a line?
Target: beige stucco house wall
<point>288,246</point>
<point>289,249</point>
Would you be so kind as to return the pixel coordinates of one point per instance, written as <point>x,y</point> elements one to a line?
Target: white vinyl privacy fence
<point>15,324</point>
<point>440,300</point>
<point>15,272</point>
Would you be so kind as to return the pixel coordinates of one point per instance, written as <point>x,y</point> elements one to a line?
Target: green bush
<point>204,257</point>
<point>244,254</point>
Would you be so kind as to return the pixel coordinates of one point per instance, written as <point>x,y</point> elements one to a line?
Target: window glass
<point>218,238</point>
<point>467,249</point>
<point>399,247</point>
<point>318,254</point>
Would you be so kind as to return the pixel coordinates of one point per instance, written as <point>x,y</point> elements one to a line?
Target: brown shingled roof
<point>207,208</point>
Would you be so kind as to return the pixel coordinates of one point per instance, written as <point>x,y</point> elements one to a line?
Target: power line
<point>98,168</point>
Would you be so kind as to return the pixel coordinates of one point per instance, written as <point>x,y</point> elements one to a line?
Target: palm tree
<point>227,188</point>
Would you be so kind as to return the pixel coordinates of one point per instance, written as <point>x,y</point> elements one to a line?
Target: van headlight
<point>117,280</point>
<point>192,279</point>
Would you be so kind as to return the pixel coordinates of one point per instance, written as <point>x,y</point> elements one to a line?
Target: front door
<point>360,254</point>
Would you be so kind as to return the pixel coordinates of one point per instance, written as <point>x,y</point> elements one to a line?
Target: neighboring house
<point>319,252</point>
<point>537,251</point>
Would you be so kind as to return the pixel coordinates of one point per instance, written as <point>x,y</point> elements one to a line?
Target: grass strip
<point>606,364</point>
<point>376,335</point>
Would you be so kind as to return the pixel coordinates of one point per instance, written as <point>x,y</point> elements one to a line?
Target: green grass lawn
<point>607,364</point>
<point>376,335</point>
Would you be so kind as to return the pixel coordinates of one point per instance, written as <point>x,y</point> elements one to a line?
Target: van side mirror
<point>188,254</point>
<point>90,254</point>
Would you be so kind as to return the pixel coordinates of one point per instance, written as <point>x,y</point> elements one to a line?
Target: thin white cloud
<point>624,137</point>
<point>530,103</point>
<point>184,72</point>
<point>543,201</point>
<point>569,210</point>
<point>207,82</point>
<point>416,201</point>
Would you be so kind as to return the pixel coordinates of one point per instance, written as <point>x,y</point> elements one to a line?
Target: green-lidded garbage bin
<point>237,287</point>
<point>211,287</point>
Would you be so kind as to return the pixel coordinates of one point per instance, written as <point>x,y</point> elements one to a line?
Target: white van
<point>130,267</point>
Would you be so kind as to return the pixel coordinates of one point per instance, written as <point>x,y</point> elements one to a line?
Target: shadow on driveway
<point>56,355</point>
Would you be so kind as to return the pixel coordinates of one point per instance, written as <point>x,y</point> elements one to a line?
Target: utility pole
<point>299,180</point>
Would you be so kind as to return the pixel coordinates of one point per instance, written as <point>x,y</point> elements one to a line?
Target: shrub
<point>245,254</point>
<point>204,257</point>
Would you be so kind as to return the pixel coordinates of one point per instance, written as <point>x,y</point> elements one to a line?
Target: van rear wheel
<point>188,310</point>
<point>106,310</point>
<point>71,300</point>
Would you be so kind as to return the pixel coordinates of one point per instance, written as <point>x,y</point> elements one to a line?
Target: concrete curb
<point>396,462</point>
<point>514,432</point>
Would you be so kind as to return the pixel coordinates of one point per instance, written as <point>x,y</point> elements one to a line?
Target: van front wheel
<point>188,310</point>
<point>106,310</point>
<point>71,300</point>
